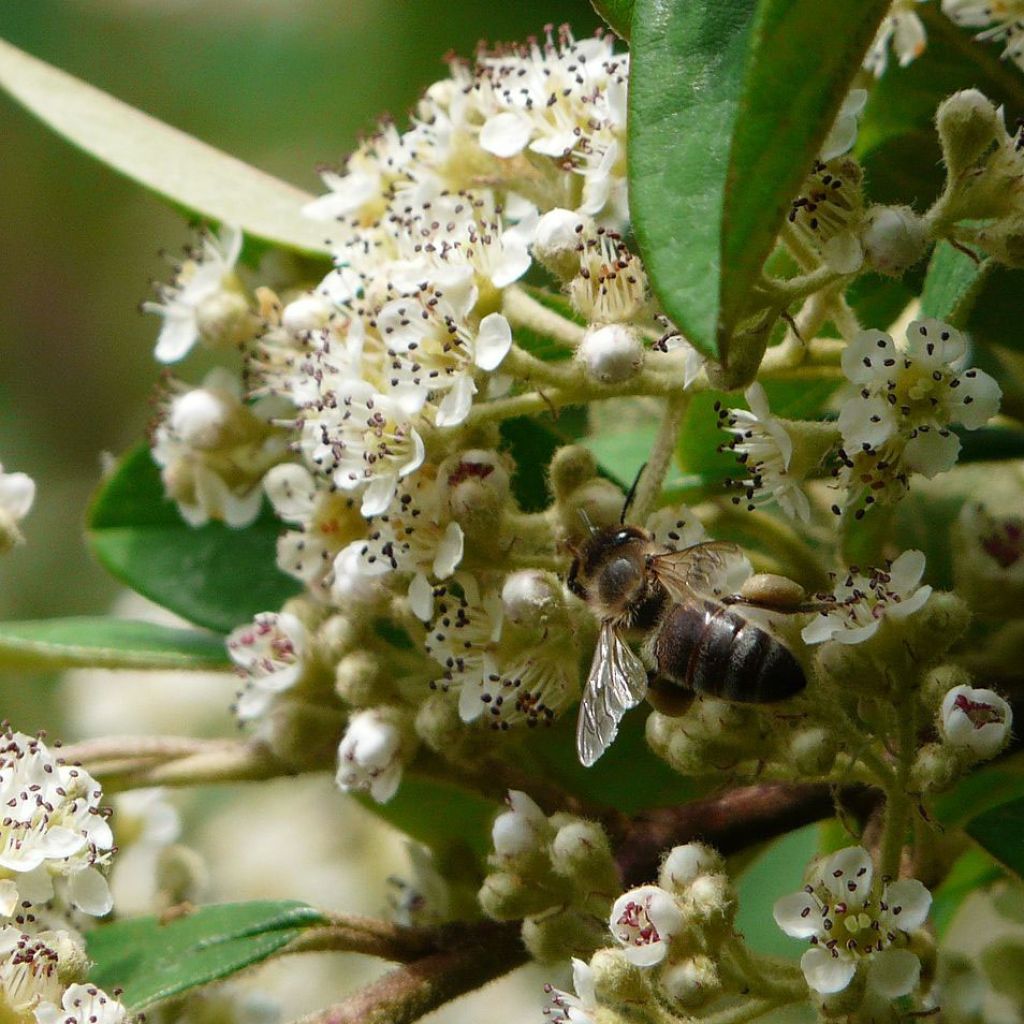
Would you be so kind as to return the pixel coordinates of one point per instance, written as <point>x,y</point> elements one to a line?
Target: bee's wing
<point>617,682</point>
<point>697,571</point>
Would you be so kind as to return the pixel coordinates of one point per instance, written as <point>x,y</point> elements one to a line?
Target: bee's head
<point>609,568</point>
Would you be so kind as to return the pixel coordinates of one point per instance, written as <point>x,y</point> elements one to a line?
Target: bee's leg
<point>666,696</point>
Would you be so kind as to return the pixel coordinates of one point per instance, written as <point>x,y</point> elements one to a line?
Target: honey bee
<point>696,638</point>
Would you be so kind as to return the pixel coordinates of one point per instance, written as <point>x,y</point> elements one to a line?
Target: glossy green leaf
<point>213,576</point>
<point>951,285</point>
<point>153,961</point>
<point>980,791</point>
<point>1000,832</point>
<point>175,165</point>
<point>108,643</point>
<point>618,14</point>
<point>727,111</point>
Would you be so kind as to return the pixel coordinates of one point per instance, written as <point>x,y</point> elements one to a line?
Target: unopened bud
<point>224,320</point>
<point>894,238</point>
<point>813,751</point>
<point>709,904</point>
<point>685,864</point>
<point>181,875</point>
<point>73,962</point>
<point>934,768</point>
<point>474,486</point>
<point>968,125</point>
<point>617,979</point>
<point>571,467</point>
<point>306,314</point>
<point>506,896</point>
<point>691,983</point>
<point>580,851</point>
<point>304,735</point>
<point>550,938</point>
<point>204,418</point>
<point>522,832</point>
<point>438,723</point>
<point>612,353</point>
<point>359,680</point>
<point>557,242</point>
<point>1004,242</point>
<point>597,503</point>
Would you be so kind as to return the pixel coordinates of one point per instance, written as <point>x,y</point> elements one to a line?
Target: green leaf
<point>108,643</point>
<point>981,791</point>
<point>971,872</point>
<point>152,961</point>
<point>1000,832</point>
<point>951,285</point>
<point>213,576</point>
<point>618,14</point>
<point>727,112</point>
<point>169,162</point>
<point>531,441</point>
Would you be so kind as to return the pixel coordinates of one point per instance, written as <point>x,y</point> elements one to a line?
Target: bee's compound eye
<point>619,579</point>
<point>624,537</point>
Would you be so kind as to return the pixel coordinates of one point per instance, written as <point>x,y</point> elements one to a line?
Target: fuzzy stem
<point>349,933</point>
<point>764,975</point>
<point>898,807</point>
<point>743,1012</point>
<point>660,459</point>
<point>522,310</point>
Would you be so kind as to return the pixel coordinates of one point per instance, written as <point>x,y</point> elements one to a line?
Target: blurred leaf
<point>990,444</point>
<point>980,791</point>
<point>878,300</point>
<point>531,441</point>
<point>153,961</point>
<point>169,162</point>
<point>775,873</point>
<point>951,285</point>
<point>728,109</point>
<point>108,643</point>
<point>628,776</point>
<point>438,814</point>
<point>618,14</point>
<point>995,316</point>
<point>897,142</point>
<point>972,871</point>
<point>1001,960</point>
<point>1000,831</point>
<point>213,576</point>
<point>540,345</point>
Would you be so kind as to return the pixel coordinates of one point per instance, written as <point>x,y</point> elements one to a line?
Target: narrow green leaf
<point>171,163</point>
<point>951,285</point>
<point>687,61</point>
<point>108,643</point>
<point>1000,832</point>
<point>727,112</point>
<point>153,961</point>
<point>213,576</point>
<point>617,13</point>
<point>792,91</point>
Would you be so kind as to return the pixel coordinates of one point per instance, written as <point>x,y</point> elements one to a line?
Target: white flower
<point>412,536</point>
<point>859,604</point>
<point>979,720</point>
<point>435,345</point>
<point>363,441</point>
<point>213,450</point>
<point>52,825</point>
<point>369,756</point>
<point>1002,19</point>
<point>328,522</point>
<point>611,285</point>
<point>826,216</point>
<point>765,448</point>
<point>901,28</point>
<point>898,420</point>
<point>201,281</point>
<point>269,655</point>
<point>17,492</point>
<point>848,921</point>
<point>843,134</point>
<point>28,973</point>
<point>83,1004</point>
<point>578,1008</point>
<point>643,921</point>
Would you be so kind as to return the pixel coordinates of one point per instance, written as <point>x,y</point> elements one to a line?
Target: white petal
<point>292,491</point>
<point>456,404</point>
<point>36,886</point>
<point>859,634</point>
<point>378,495</point>
<point>449,551</point>
<point>844,253</point>
<point>932,452</point>
<point>8,897</point>
<point>416,458</point>
<point>819,629</point>
<point>798,915</point>
<point>17,492</point>
<point>907,570</point>
<point>894,972</point>
<point>505,134</point>
<point>865,358</point>
<point>90,893</point>
<point>493,341</point>
<point>976,399</point>
<point>865,421</point>
<point>421,597</point>
<point>909,902</point>
<point>908,38</point>
<point>385,785</point>
<point>848,874</point>
<point>912,604</point>
<point>826,973</point>
<point>178,334</point>
<point>471,707</point>
<point>935,343</point>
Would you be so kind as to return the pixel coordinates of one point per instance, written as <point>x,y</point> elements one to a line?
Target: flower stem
<point>897,799</point>
<point>522,310</point>
<point>653,476</point>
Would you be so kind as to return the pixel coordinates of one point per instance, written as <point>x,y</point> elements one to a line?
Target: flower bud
<point>1004,241</point>
<point>204,418</point>
<point>521,833</point>
<point>580,851</point>
<point>598,502</point>
<point>224,320</point>
<point>474,487</point>
<point>373,751</point>
<point>968,125</point>
<point>709,905</point>
<point>685,864</point>
<point>894,238</point>
<point>988,560</point>
<point>438,724</point>
<point>813,751</point>
<point>530,596</point>
<point>617,979</point>
<point>611,353</point>
<point>550,938</point>
<point>940,680</point>
<point>359,680</point>
<point>335,638</point>
<point>181,875</point>
<point>73,963</point>
<point>304,735</point>
<point>306,314</point>
<point>557,242</point>
<point>506,896</point>
<point>976,721</point>
<point>937,626</point>
<point>17,492</point>
<point>691,983</point>
<point>1001,963</point>
<point>934,768</point>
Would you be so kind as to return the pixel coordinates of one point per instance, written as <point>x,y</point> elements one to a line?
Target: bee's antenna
<point>587,521</point>
<point>632,493</point>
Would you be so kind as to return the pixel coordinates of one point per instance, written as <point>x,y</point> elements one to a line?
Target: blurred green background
<point>284,84</point>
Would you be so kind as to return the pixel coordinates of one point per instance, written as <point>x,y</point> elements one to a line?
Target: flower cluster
<point>1000,20</point>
